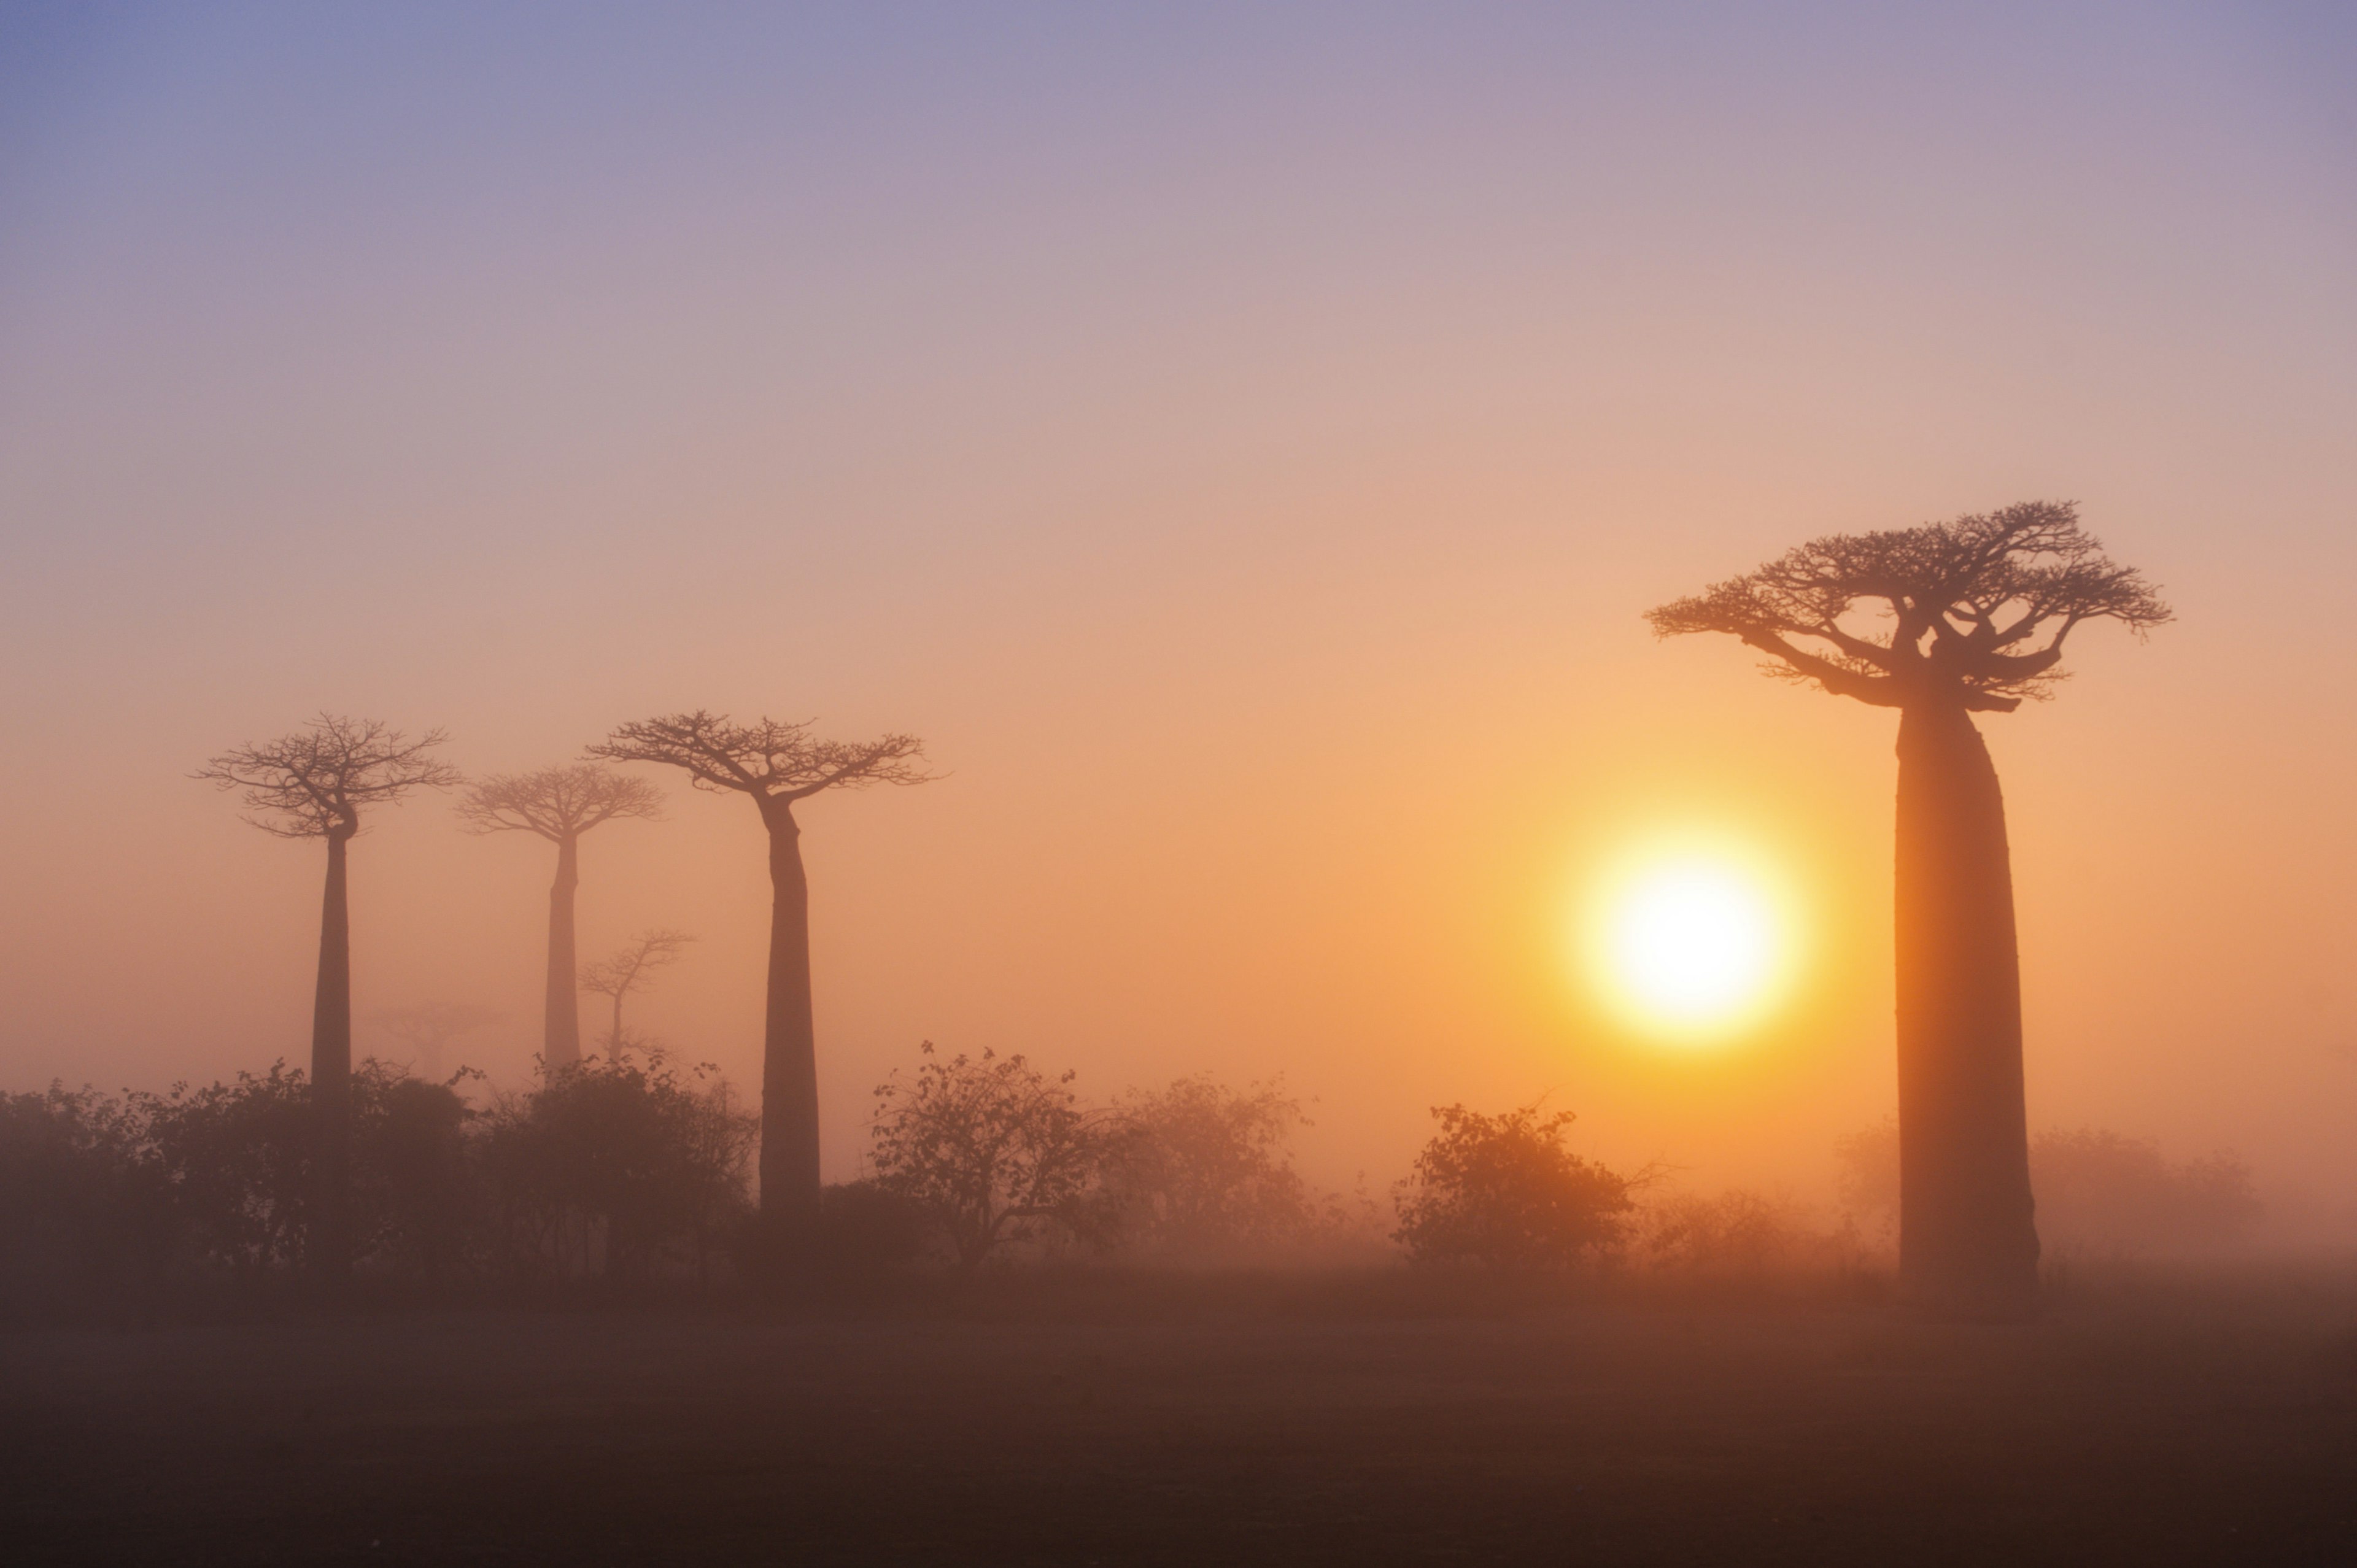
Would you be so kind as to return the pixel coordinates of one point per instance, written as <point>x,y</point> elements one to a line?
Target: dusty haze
<point>1242,450</point>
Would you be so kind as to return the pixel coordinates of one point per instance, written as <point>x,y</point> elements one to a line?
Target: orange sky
<point>1242,447</point>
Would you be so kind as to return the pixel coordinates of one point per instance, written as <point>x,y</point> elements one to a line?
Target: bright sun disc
<point>1692,945</point>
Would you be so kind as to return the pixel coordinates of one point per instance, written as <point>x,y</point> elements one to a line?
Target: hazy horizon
<point>1242,446</point>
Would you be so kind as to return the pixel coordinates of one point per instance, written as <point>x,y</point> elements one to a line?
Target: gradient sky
<point>1241,440</point>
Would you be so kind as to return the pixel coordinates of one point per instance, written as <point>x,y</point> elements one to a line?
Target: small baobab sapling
<point>633,969</point>
<point>314,784</point>
<point>559,804</point>
<point>778,765</point>
<point>1940,622</point>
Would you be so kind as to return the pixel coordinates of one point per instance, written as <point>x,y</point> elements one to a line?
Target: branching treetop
<point>768,760</point>
<point>313,783</point>
<point>635,965</point>
<point>557,803</point>
<point>1972,612</point>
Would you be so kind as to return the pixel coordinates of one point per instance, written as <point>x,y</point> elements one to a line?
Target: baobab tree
<point>428,1027</point>
<point>631,970</point>
<point>559,804</point>
<point>779,766</point>
<point>314,784</point>
<point>1944,621</point>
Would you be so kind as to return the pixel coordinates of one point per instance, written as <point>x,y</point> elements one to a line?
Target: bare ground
<point>2151,1421</point>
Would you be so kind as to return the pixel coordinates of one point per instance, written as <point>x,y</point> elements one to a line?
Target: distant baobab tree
<point>630,970</point>
<point>778,764</point>
<point>428,1027</point>
<point>560,804</point>
<point>314,784</point>
<point>1942,621</point>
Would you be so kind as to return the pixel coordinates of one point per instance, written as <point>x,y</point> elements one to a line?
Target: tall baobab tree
<point>1944,621</point>
<point>631,970</point>
<point>779,766</point>
<point>314,784</point>
<point>560,804</point>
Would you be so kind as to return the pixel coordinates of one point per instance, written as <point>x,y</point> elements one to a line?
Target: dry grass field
<point>2148,1419</point>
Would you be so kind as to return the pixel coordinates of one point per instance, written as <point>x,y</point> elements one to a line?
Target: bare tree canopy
<point>313,783</point>
<point>772,760</point>
<point>1995,596</point>
<point>633,969</point>
<point>634,965</point>
<point>556,803</point>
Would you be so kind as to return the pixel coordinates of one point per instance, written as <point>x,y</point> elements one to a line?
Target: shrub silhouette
<point>85,1214</point>
<point>1503,1193</point>
<point>1206,1172</point>
<point>613,1168</point>
<point>617,1167</point>
<point>990,1150</point>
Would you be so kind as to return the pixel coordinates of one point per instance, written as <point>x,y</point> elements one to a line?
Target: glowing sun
<point>1692,945</point>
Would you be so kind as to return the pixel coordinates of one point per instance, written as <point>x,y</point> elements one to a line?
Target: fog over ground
<point>1242,446</point>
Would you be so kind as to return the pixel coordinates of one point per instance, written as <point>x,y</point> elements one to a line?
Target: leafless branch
<point>769,760</point>
<point>314,782</point>
<point>1953,609</point>
<point>557,803</point>
<point>633,966</point>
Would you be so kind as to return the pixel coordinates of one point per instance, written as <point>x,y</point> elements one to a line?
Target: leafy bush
<point>618,1167</point>
<point>237,1157</point>
<point>1503,1193</point>
<point>1741,1237</point>
<point>990,1150</point>
<point>84,1211</point>
<point>1206,1172</point>
<point>611,1166</point>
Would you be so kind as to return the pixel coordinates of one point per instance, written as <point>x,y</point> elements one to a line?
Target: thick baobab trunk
<point>328,1243</point>
<point>561,1026</point>
<point>1966,1236</point>
<point>789,1184</point>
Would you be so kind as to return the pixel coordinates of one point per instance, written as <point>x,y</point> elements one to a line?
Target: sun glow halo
<point>1691,946</point>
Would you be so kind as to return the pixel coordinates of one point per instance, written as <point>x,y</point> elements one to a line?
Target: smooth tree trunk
<point>328,1241</point>
<point>1968,1238</point>
<point>561,1020</point>
<point>789,1182</point>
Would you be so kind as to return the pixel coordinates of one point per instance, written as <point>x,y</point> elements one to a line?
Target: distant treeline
<point>633,1170</point>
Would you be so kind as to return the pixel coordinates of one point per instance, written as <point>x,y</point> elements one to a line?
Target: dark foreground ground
<point>2146,1421</point>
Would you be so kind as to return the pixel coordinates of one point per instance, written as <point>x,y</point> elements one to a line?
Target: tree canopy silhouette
<point>1976,610</point>
<point>315,783</point>
<point>1942,621</point>
<point>629,969</point>
<point>778,764</point>
<point>559,804</point>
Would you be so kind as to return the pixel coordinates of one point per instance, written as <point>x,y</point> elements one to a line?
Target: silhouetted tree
<point>630,970</point>
<point>428,1028</point>
<point>778,765</point>
<point>560,804</point>
<point>1503,1192</point>
<point>1209,1172</point>
<point>990,1149</point>
<point>86,1212</point>
<point>314,784</point>
<point>1942,621</point>
<point>616,1162</point>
